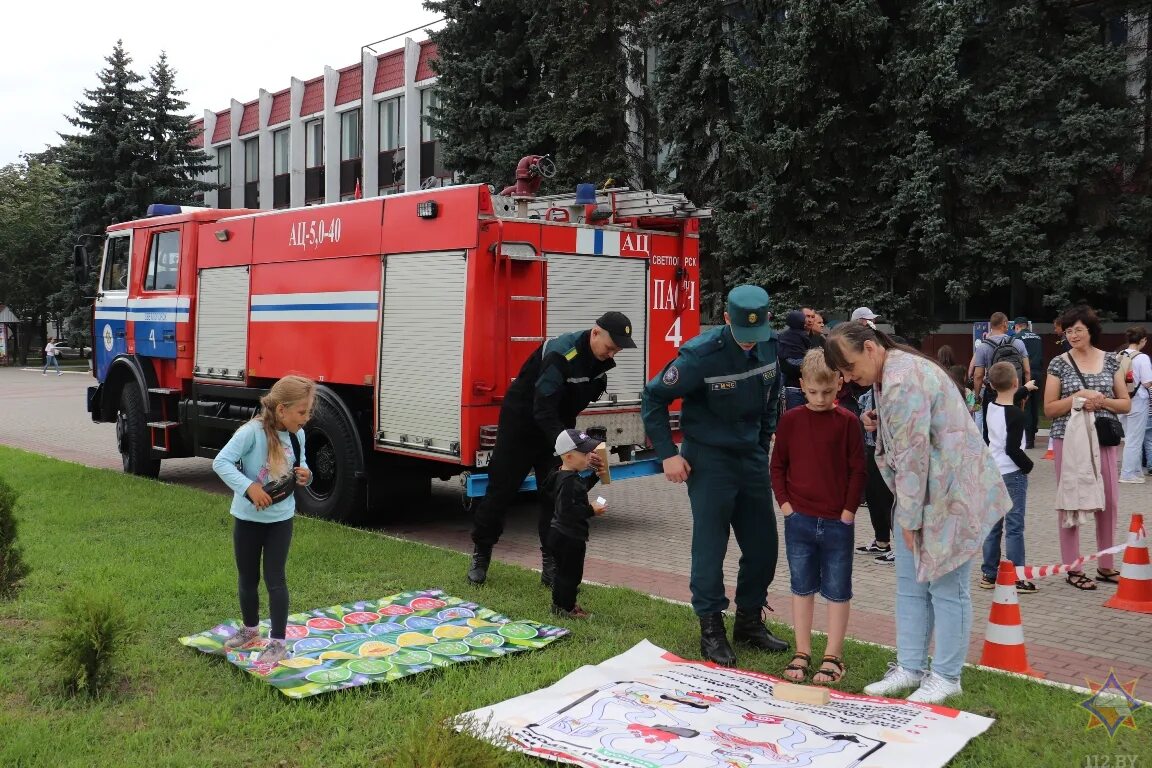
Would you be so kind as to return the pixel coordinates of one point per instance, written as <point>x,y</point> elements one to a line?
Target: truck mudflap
<point>475,485</point>
<point>94,396</point>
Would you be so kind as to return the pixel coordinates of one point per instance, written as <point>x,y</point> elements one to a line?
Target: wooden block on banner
<point>801,694</point>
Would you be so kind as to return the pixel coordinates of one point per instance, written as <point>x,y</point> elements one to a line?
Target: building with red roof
<point>362,126</point>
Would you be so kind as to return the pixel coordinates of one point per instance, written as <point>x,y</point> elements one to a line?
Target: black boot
<point>749,630</point>
<point>481,559</point>
<point>714,644</point>
<point>547,568</point>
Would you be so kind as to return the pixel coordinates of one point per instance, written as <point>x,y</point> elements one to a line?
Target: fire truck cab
<point>412,312</point>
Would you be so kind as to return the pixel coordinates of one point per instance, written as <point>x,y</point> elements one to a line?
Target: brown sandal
<point>1107,575</point>
<point>1080,581</point>
<point>834,675</point>
<point>801,668</point>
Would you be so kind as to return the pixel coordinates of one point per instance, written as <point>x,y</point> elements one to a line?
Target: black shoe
<point>749,630</point>
<point>714,645</point>
<point>547,569</point>
<point>481,559</point>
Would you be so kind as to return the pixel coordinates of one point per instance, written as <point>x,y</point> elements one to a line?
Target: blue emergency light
<point>164,209</point>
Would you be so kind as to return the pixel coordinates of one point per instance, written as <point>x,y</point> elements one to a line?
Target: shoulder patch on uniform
<point>570,354</point>
<point>671,376</point>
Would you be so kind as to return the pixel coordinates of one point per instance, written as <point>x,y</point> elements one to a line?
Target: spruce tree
<point>800,218</point>
<point>108,161</point>
<point>178,165</point>
<point>519,77</point>
<point>1051,137</point>
<point>696,118</point>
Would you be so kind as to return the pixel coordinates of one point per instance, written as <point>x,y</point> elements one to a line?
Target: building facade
<point>363,127</point>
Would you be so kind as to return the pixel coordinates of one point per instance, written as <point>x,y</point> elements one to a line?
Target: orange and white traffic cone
<point>1135,590</point>
<point>1049,454</point>
<point>1004,637</point>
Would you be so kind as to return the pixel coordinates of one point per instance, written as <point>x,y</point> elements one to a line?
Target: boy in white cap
<point>568,537</point>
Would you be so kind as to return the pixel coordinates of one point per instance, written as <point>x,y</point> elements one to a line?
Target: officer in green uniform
<point>730,384</point>
<point>1035,346</point>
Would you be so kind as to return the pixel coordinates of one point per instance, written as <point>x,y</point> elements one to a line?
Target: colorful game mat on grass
<point>377,641</point>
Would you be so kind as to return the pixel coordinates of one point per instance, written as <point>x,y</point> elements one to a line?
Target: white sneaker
<point>895,679</point>
<point>1137,480</point>
<point>935,689</point>
<point>59,373</point>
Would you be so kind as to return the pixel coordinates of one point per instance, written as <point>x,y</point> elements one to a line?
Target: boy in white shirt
<point>1004,429</point>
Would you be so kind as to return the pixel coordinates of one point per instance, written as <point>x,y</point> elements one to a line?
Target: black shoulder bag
<point>1108,431</point>
<point>283,487</point>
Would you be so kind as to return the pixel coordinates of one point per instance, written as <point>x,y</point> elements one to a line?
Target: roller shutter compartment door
<point>581,288</point>
<point>421,351</point>
<point>222,324</point>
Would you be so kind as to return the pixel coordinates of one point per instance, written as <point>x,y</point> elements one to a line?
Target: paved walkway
<point>643,541</point>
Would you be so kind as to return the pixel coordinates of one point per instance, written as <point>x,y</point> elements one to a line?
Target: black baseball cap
<point>1021,321</point>
<point>619,327</point>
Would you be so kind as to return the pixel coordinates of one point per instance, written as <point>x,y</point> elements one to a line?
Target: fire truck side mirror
<point>80,264</point>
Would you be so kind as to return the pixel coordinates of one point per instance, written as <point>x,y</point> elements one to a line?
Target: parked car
<point>63,351</point>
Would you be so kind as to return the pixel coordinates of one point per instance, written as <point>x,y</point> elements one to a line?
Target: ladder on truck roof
<point>619,202</point>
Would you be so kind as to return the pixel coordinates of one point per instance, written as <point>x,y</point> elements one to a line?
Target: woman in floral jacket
<point>948,495</point>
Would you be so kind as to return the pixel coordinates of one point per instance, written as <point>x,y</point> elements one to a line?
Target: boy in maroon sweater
<point>818,474</point>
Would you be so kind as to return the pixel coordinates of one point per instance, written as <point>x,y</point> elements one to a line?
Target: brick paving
<point>643,541</point>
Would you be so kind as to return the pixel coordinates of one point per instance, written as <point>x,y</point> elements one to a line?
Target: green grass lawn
<point>166,551</point>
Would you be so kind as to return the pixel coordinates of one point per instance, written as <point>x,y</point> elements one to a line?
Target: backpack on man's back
<point>1126,357</point>
<point>1005,351</point>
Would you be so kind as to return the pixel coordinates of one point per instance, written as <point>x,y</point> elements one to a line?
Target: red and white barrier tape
<point>1029,572</point>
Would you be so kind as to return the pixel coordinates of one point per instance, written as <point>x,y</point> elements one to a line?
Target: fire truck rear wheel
<point>132,434</point>
<point>336,493</point>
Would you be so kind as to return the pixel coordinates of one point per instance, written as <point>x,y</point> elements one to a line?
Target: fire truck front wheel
<point>132,434</point>
<point>337,490</point>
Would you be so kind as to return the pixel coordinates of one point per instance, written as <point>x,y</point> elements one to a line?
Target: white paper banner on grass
<point>647,708</point>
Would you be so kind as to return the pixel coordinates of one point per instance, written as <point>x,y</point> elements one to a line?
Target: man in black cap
<point>558,381</point>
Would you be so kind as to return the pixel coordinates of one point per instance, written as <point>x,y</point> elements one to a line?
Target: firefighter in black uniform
<point>556,383</point>
<point>729,380</point>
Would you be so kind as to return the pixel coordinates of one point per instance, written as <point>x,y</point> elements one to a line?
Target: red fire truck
<point>412,312</point>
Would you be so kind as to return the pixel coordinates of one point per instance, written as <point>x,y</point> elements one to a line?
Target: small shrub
<point>82,653</point>
<point>13,569</point>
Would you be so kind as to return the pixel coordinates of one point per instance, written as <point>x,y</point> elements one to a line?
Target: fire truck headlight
<point>427,209</point>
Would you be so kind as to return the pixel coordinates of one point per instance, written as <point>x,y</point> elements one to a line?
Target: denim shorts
<point>820,556</point>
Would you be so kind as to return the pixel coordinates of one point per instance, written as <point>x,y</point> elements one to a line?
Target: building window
<point>350,151</point>
<point>314,162</point>
<point>252,173</point>
<point>391,159</point>
<point>224,176</point>
<point>429,101</point>
<point>392,123</point>
<point>432,172</point>
<point>163,262</point>
<point>281,168</point>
